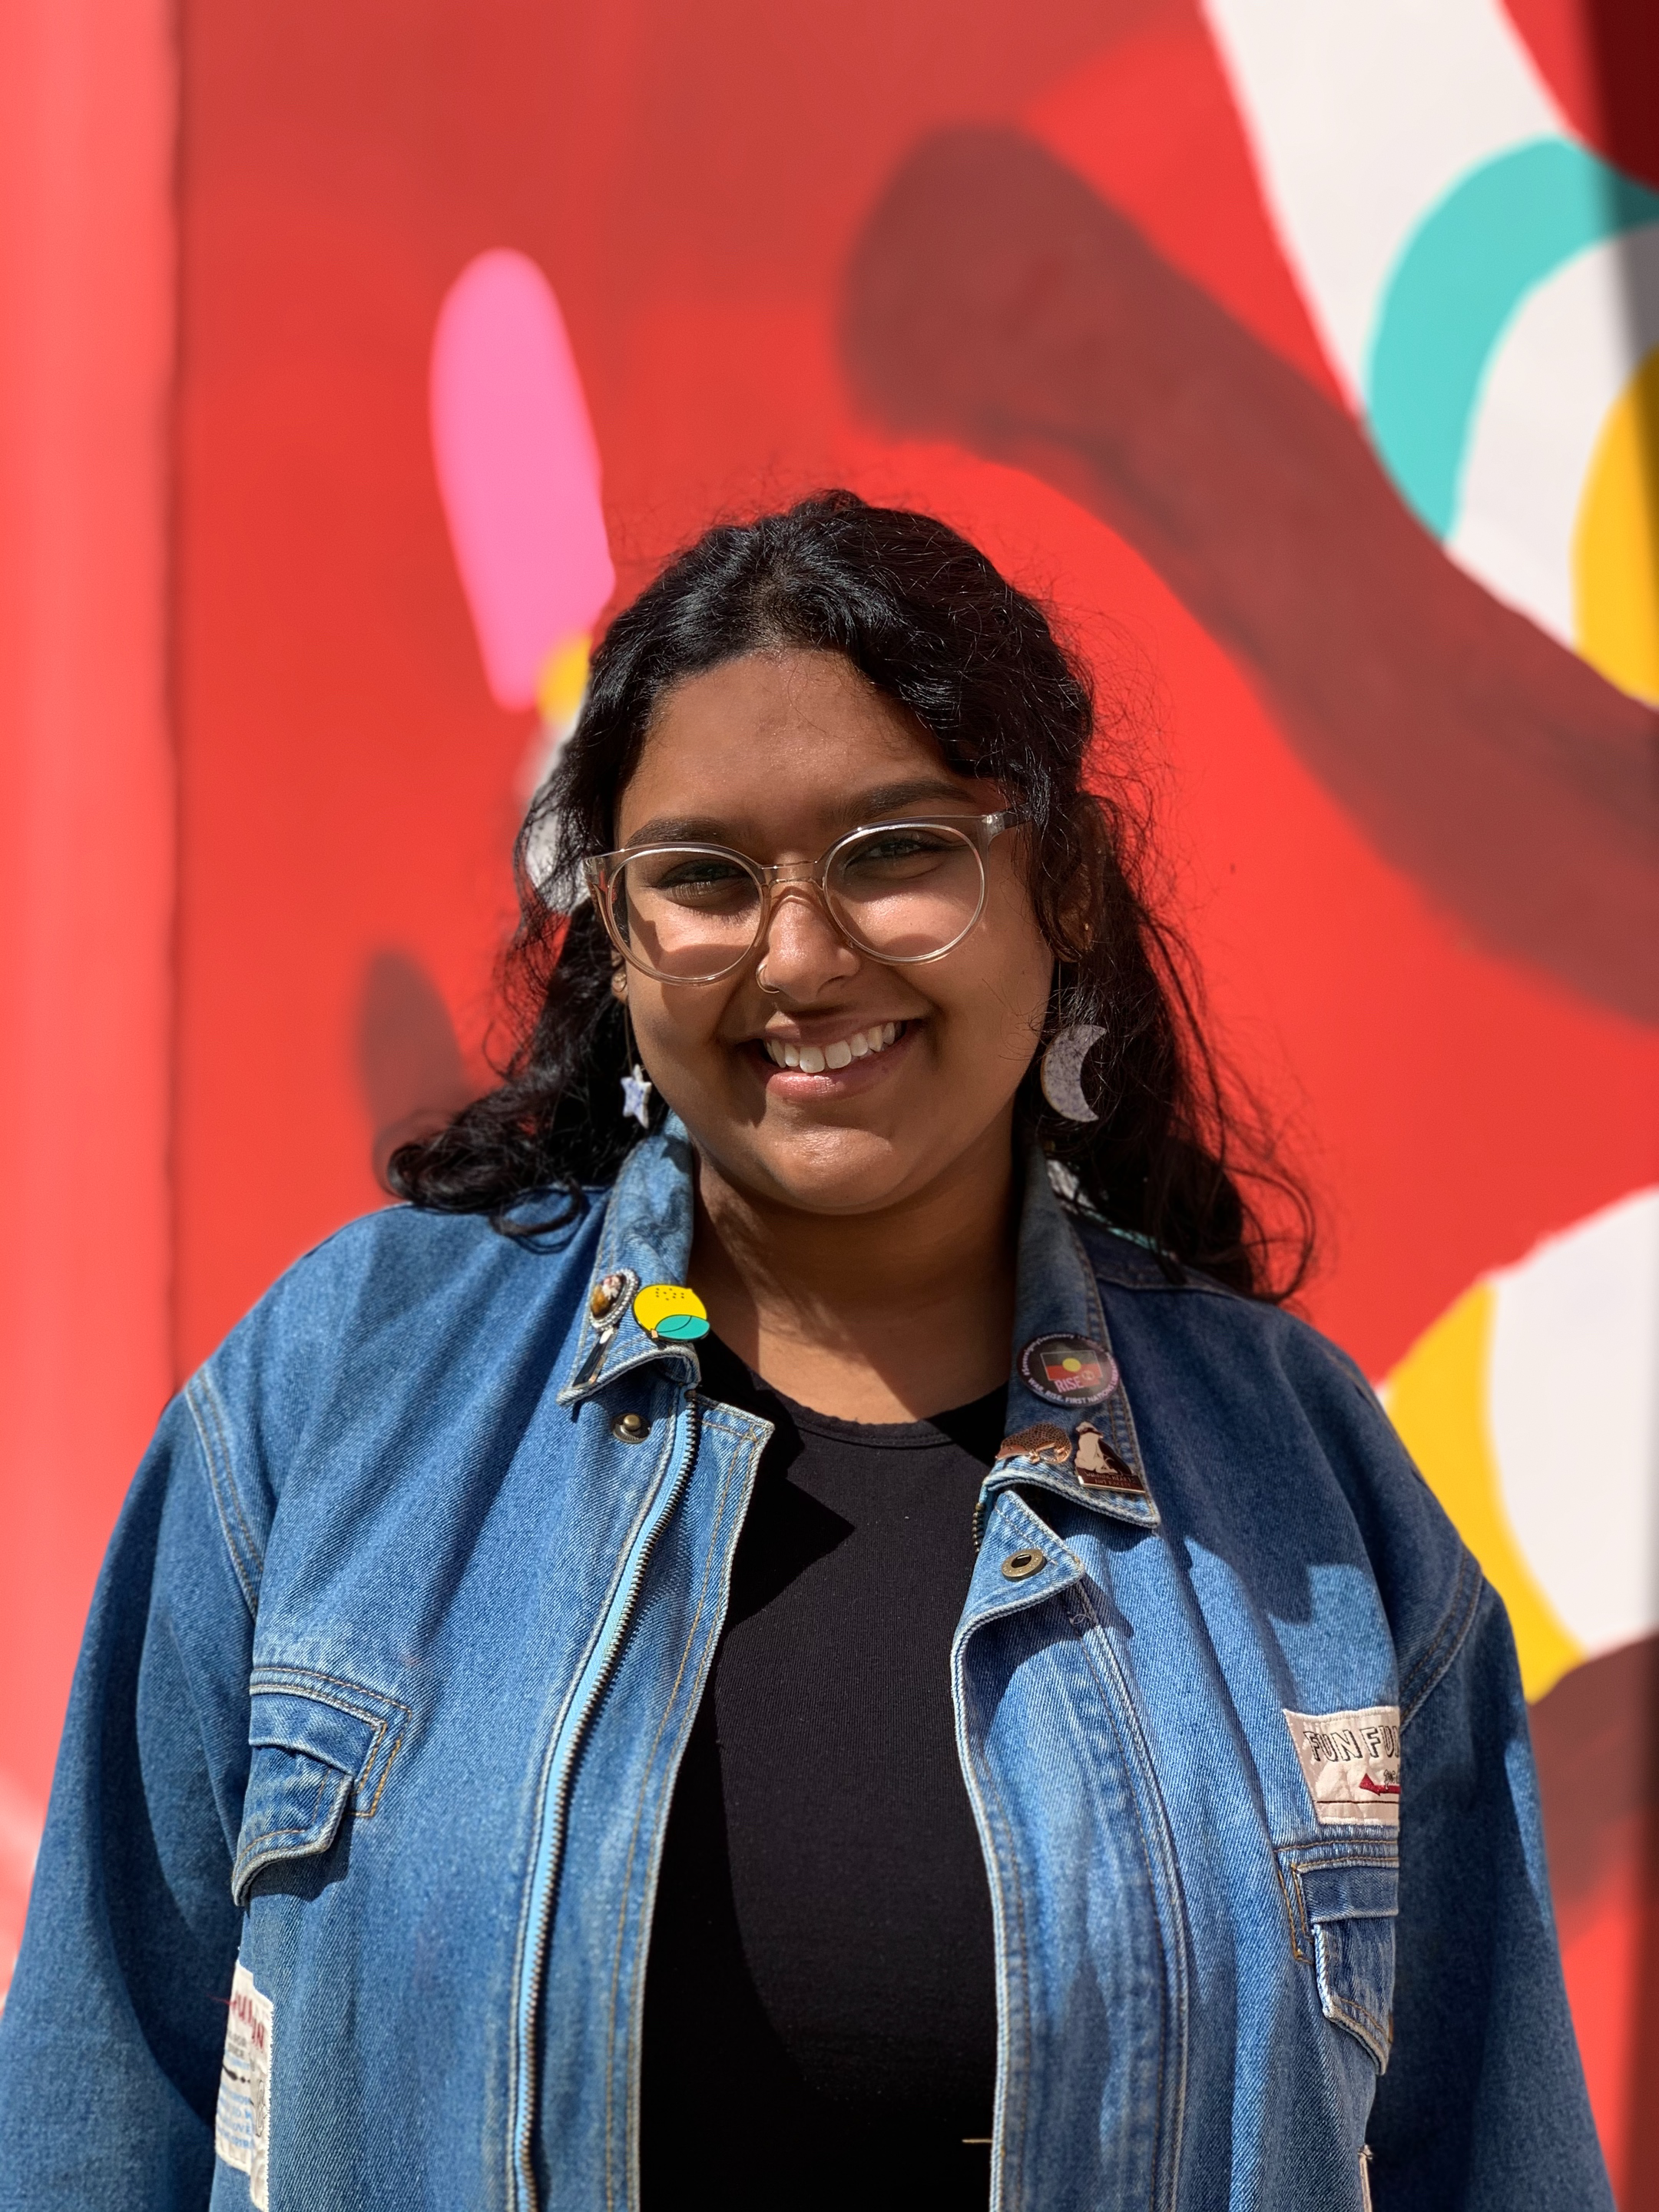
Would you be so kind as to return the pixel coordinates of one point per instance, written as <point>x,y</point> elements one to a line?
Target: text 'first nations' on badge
<point>1068,1370</point>
<point>670,1312</point>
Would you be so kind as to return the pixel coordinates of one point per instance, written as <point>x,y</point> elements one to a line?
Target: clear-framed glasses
<point>901,892</point>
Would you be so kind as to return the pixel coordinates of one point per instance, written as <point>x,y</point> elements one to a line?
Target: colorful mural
<point>1305,354</point>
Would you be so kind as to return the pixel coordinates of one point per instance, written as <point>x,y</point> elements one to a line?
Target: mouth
<point>817,1060</point>
<point>818,1070</point>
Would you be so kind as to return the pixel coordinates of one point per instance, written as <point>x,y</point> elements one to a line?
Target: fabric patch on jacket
<point>241,2129</point>
<point>1351,1763</point>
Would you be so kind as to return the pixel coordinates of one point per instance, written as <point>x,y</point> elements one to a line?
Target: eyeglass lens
<point>903,893</point>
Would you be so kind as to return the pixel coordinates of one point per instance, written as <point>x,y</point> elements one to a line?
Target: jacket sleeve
<point>110,2040</point>
<point>1483,2106</point>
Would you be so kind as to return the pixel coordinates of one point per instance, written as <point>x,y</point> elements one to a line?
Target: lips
<point>818,1060</point>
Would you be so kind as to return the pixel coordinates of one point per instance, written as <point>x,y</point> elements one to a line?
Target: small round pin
<point>1068,1370</point>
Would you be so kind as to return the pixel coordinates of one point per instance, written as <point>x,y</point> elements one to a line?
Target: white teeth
<point>812,1059</point>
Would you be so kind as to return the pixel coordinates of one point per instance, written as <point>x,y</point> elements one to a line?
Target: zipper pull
<point>1365,2176</point>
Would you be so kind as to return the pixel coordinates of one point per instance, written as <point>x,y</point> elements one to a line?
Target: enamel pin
<point>670,1312</point>
<point>1068,1370</point>
<point>1099,1467</point>
<point>1047,1442</point>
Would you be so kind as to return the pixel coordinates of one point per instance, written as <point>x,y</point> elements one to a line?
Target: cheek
<point>677,1028</point>
<point>1016,965</point>
<point>994,1015</point>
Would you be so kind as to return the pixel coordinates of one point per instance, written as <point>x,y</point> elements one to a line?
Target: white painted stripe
<point>1574,345</point>
<point>1574,1400</point>
<point>1363,114</point>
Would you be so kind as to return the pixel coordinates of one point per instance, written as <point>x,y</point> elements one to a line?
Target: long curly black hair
<point>927,619</point>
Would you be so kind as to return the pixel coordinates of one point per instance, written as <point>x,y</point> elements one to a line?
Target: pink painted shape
<point>518,469</point>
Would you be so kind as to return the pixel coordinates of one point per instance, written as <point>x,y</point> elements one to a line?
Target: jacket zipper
<point>567,1743</point>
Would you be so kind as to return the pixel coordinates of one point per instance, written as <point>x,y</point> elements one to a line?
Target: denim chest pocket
<point>1344,1904</point>
<point>322,1747</point>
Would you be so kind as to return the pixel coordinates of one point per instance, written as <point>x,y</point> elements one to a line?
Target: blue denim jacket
<point>399,1642</point>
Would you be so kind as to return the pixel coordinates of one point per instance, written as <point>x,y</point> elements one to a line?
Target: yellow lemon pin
<point>670,1312</point>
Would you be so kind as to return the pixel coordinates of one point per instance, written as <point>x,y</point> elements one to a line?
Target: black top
<point>820,2013</point>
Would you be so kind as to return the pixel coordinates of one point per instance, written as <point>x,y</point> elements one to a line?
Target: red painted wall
<point>693,182</point>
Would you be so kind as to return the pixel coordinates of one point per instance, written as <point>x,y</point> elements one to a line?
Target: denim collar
<point>647,1236</point>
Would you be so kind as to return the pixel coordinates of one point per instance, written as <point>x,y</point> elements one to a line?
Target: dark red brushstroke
<point>994,299</point>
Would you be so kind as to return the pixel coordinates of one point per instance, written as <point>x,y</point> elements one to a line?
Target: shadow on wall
<point>409,1058</point>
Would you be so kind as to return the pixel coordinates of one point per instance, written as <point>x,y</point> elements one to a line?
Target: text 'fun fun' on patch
<point>1351,1763</point>
<point>1068,1370</point>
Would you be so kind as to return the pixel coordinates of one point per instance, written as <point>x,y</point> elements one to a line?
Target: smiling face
<point>902,1074</point>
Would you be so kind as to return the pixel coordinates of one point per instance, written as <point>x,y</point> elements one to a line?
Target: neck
<point>892,1316</point>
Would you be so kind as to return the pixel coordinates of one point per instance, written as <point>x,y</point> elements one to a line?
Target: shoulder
<point>1223,1324</point>
<point>403,1265</point>
<point>399,1301</point>
<point>1252,1397</point>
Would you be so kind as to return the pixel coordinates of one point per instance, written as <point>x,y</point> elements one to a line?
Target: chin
<point>833,1170</point>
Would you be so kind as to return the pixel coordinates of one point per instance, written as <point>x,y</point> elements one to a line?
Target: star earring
<point>636,1088</point>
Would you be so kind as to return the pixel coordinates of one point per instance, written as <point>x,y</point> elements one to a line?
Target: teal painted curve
<point>1463,272</point>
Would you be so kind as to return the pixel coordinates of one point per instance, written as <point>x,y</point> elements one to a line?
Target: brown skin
<point>854,1230</point>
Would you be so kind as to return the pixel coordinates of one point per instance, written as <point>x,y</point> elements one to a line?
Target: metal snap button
<point>631,1428</point>
<point>1019,1564</point>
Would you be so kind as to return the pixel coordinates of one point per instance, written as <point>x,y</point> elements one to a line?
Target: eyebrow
<point>870,806</point>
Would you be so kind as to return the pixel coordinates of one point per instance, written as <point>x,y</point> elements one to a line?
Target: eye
<point>690,879</point>
<point>693,875</point>
<point>894,853</point>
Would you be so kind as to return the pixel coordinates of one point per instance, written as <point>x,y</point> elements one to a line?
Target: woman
<point>800,1628</point>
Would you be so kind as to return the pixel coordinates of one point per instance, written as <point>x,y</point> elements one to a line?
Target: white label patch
<point>241,2132</point>
<point>1351,1763</point>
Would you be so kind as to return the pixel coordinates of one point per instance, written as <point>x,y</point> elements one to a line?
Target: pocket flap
<point>298,1721</point>
<point>1325,1882</point>
<point>292,1810</point>
<point>321,1746</point>
<point>1348,1891</point>
<point>1343,1900</point>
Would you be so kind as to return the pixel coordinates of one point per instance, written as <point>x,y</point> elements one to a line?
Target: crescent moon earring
<point>1061,1071</point>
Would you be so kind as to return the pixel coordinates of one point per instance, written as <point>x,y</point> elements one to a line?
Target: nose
<point>803,952</point>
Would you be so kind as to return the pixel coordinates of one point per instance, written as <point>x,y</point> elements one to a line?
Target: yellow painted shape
<point>657,1300</point>
<point>1615,541</point>
<point>1436,1399</point>
<point>564,679</point>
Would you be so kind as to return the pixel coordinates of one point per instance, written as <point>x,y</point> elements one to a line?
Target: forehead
<point>779,744</point>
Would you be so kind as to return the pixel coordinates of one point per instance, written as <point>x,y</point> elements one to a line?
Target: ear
<point>619,981</point>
